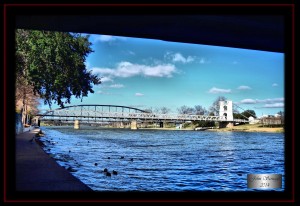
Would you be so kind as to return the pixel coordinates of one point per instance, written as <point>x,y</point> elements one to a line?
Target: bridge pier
<point>161,124</point>
<point>76,124</point>
<point>121,125</point>
<point>226,124</point>
<point>133,125</point>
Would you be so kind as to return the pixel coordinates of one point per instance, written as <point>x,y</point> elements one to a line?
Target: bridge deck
<point>124,113</point>
<point>85,115</point>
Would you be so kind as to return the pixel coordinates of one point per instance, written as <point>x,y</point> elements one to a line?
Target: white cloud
<point>244,87</point>
<point>215,90</point>
<point>139,94</point>
<point>266,101</point>
<point>274,85</point>
<point>104,93</point>
<point>248,101</point>
<point>117,86</point>
<point>178,57</point>
<point>106,79</point>
<point>270,101</point>
<point>106,38</point>
<point>127,69</point>
<point>273,105</point>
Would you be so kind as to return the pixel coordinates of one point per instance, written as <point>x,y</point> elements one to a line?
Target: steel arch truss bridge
<point>110,113</point>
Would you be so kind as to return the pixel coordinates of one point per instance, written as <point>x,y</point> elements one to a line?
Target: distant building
<point>252,120</point>
<point>272,120</point>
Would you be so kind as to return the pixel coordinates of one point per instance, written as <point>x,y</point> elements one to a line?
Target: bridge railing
<point>57,114</point>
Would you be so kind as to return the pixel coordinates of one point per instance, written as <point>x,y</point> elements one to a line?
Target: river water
<point>156,160</point>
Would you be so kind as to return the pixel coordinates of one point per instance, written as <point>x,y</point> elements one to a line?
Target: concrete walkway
<point>37,171</point>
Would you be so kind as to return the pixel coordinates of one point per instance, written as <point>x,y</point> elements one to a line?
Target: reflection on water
<point>151,160</point>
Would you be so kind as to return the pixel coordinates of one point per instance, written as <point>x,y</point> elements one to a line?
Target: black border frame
<point>12,10</point>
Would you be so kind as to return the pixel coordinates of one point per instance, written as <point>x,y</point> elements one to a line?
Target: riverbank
<point>37,171</point>
<point>171,128</point>
<point>237,128</point>
<point>250,128</point>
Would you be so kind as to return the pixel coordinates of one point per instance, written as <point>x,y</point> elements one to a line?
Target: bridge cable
<point>244,111</point>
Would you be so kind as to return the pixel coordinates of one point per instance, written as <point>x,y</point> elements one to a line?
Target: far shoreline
<point>258,129</point>
<point>238,128</point>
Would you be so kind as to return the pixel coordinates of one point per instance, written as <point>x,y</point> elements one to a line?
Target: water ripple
<point>151,160</point>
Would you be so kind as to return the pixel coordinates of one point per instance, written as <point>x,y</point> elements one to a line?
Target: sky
<point>147,73</point>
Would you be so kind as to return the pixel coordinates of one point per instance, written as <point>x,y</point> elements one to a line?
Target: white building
<point>225,110</point>
<point>252,120</point>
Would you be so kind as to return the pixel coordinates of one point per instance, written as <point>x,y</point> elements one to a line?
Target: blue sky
<point>146,73</point>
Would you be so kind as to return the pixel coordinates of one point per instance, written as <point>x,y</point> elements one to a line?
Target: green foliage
<point>53,63</point>
<point>203,123</point>
<point>187,125</point>
<point>238,116</point>
<point>249,113</point>
<point>244,115</point>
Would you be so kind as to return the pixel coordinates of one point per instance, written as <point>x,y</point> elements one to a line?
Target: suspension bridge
<point>100,114</point>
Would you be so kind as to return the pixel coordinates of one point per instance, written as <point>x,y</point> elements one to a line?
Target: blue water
<point>165,160</point>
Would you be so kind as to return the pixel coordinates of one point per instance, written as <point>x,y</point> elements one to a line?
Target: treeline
<point>50,67</point>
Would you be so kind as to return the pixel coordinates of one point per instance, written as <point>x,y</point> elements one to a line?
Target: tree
<point>149,110</point>
<point>203,123</point>
<point>164,110</point>
<point>214,108</point>
<point>52,63</point>
<point>280,113</point>
<point>26,101</point>
<point>211,114</point>
<point>185,110</point>
<point>248,113</point>
<point>238,116</point>
<point>199,110</point>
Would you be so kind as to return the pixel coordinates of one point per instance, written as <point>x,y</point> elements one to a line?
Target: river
<point>157,160</point>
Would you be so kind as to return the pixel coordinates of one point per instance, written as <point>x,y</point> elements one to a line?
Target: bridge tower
<point>226,112</point>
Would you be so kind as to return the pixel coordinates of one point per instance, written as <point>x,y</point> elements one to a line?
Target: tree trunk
<point>24,108</point>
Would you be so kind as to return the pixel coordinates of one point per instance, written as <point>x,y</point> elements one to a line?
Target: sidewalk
<point>36,171</point>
